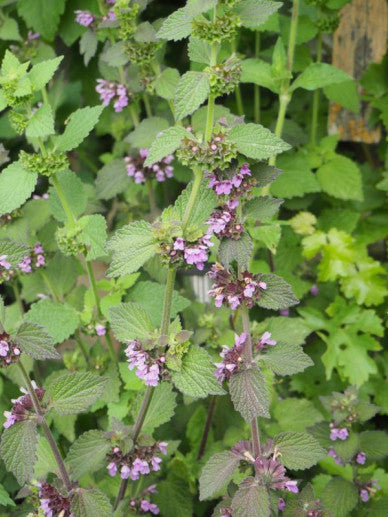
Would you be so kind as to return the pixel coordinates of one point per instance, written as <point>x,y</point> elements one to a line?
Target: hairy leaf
<point>239,250</point>
<point>41,124</point>
<point>35,341</point>
<point>42,15</point>
<point>145,132</point>
<point>298,450</point>
<point>14,251</point>
<point>90,503</point>
<point>339,496</point>
<point>286,359</point>
<point>216,473</point>
<point>93,235</point>
<point>130,321</point>
<point>318,75</point>
<point>87,454</point>
<point>278,294</point>
<point>166,84</point>
<point>341,178</point>
<point>249,394</point>
<point>374,444</point>
<point>16,186</point>
<point>262,208</point>
<point>112,179</point>
<point>166,142</point>
<point>177,26</point>
<point>18,449</point>
<point>59,319</point>
<point>80,124</point>
<point>192,90</point>
<point>75,193</point>
<point>161,408</point>
<point>251,500</point>
<point>253,13</point>
<point>256,141</point>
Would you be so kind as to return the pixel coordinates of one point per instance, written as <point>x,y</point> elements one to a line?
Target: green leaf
<point>115,55</point>
<point>41,124</point>
<point>41,73</point>
<point>9,30</point>
<point>46,462</point>
<point>80,124</point>
<point>278,294</point>
<point>262,208</point>
<point>298,450</point>
<point>60,320</point>
<point>195,7</point>
<point>318,75</point>
<point>88,453</point>
<point>267,234</point>
<point>35,341</point>
<point>259,72</point>
<point>42,15</point>
<point>205,203</point>
<point>15,251</point>
<point>192,90</point>
<point>166,142</point>
<point>199,51</point>
<point>2,312</point>
<point>161,408</point>
<point>251,500</point>
<point>285,412</point>
<point>18,449</point>
<point>74,392</point>
<point>255,141</point>
<point>340,497</point>
<point>132,245</point>
<point>197,377</point>
<point>239,250</point>
<point>150,295</point>
<point>16,186</point>
<point>174,498</point>
<point>112,179</point>
<point>344,94</point>
<point>374,444</point>
<point>249,394</point>
<point>88,46</point>
<point>297,178</point>
<point>253,13</point>
<point>286,359</point>
<point>93,235</point>
<point>90,503</point>
<point>216,473</point>
<point>346,449</point>
<point>75,193</point>
<point>130,321</point>
<point>177,26</point>
<point>5,500</point>
<point>145,133</point>
<point>166,84</point>
<point>341,178</point>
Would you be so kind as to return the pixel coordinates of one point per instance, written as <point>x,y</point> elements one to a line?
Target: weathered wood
<point>359,40</point>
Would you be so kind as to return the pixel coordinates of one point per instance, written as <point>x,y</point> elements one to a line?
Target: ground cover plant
<point>193,272</point>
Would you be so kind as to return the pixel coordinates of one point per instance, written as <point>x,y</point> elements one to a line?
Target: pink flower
<point>100,330</point>
<point>3,262</point>
<point>84,18</point>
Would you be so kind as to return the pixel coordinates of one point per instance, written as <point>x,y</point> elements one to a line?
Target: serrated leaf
<point>251,500</point>
<point>249,394</point>
<point>205,203</point>
<point>297,178</point>
<point>18,449</point>
<point>42,15</point>
<point>298,450</point>
<point>286,409</point>
<point>345,94</point>
<point>259,72</point>
<point>74,392</point>
<point>35,341</point>
<point>199,51</point>
<point>60,320</point>
<point>286,359</point>
<point>9,30</point>
<point>166,142</point>
<point>41,73</point>
<point>90,503</point>
<point>339,496</point>
<point>374,444</point>
<point>177,26</point>
<point>262,208</point>
<point>174,497</point>
<point>318,75</point>
<point>87,453</point>
<point>216,473</point>
<point>253,13</point>
<point>239,250</point>
<point>196,377</point>
<point>112,179</point>
<point>41,124</point>
<point>255,141</point>
<point>161,408</point>
<point>75,193</point>
<point>192,90</point>
<point>341,178</point>
<point>195,7</point>
<point>5,500</point>
<point>166,83</point>
<point>93,235</point>
<point>145,133</point>
<point>346,449</point>
<point>16,186</point>
<point>45,462</point>
<point>88,45</point>
<point>130,321</point>
<point>278,294</point>
<point>132,245</point>
<point>15,251</point>
<point>80,124</point>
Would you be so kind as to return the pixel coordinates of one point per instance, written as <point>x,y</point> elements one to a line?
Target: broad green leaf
<point>174,497</point>
<point>249,394</point>
<point>18,449</point>
<point>262,208</point>
<point>115,55</point>
<point>199,51</point>
<point>161,408</point>
<point>146,131</point>
<point>267,234</point>
<point>74,392</point>
<point>308,415</point>
<point>131,246</point>
<point>341,178</point>
<point>347,449</point>
<point>166,84</point>
<point>166,142</point>
<point>286,359</point>
<point>45,462</point>
<point>80,124</point>
<point>35,341</point>
<point>340,496</point>
<point>251,500</point>
<point>5,500</point>
<point>41,73</point>
<point>75,193</point>
<point>197,377</point>
<point>41,124</point>
<point>60,320</point>
<point>297,178</point>
<point>366,283</point>
<point>9,30</point>
<point>93,235</point>
<point>374,444</point>
<point>256,141</point>
<point>62,273</point>
<point>298,450</point>
<point>14,251</point>
<point>88,453</point>
<point>177,26</point>
<point>278,294</point>
<point>42,15</point>
<point>205,203</point>
<point>344,94</point>
<point>253,13</point>
<point>239,250</point>
<point>112,179</point>
<point>318,75</point>
<point>216,473</point>
<point>88,45</point>
<point>130,321</point>
<point>195,7</point>
<point>90,503</point>
<point>192,90</point>
<point>16,186</point>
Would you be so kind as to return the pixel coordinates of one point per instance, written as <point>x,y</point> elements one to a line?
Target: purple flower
<point>336,458</point>
<point>52,502</point>
<point>106,89</point>
<point>314,290</point>
<point>338,433</point>
<point>284,312</point>
<point>364,494</point>
<point>196,255</point>
<point>32,35</point>
<point>232,358</point>
<point>85,18</point>
<point>122,98</point>
<point>9,350</point>
<point>281,504</point>
<point>10,419</point>
<point>146,506</point>
<point>179,244</point>
<point>100,329</point>
<point>25,265</point>
<point>147,368</point>
<point>360,458</point>
<point>292,486</point>
<point>265,340</point>
<point>3,262</point>
<point>112,469</point>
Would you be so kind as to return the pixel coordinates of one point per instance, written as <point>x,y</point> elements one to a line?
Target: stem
<point>62,197</point>
<point>82,346</point>
<point>45,95</point>
<point>151,196</point>
<point>49,285</point>
<point>317,93</point>
<point>248,352</point>
<point>293,33</point>
<point>18,298</point>
<point>134,117</point>
<point>50,438</point>
<point>256,87</point>
<point>92,281</point>
<point>202,445</point>
<point>211,99</point>
<point>239,101</point>
<point>167,301</point>
<point>193,196</point>
<point>147,105</point>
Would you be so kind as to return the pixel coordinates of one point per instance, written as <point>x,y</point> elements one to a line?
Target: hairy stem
<point>210,413</point>
<point>193,196</point>
<point>317,93</point>
<point>50,438</point>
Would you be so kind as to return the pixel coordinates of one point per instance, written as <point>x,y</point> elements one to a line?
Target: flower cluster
<point>22,406</point>
<point>9,351</point>
<point>142,504</point>
<point>110,90</point>
<point>140,173</point>
<point>368,489</point>
<point>35,259</point>
<point>193,253</point>
<point>84,18</point>
<point>232,182</point>
<point>225,76</point>
<point>52,502</point>
<point>217,153</point>
<point>265,341</point>
<point>232,358</point>
<point>140,460</point>
<point>337,433</point>
<point>223,223</point>
<point>5,269</point>
<point>148,368</point>
<point>229,290</point>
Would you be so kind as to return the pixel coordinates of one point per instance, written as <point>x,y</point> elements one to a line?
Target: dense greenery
<point>193,272</point>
